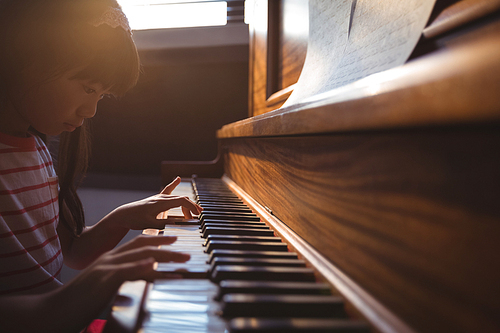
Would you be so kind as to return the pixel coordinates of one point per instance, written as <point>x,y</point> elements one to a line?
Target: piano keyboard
<point>241,277</point>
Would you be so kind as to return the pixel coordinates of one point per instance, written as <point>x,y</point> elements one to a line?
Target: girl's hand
<point>84,297</point>
<point>135,260</point>
<point>142,214</point>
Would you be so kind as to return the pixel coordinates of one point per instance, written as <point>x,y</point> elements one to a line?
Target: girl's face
<point>61,104</point>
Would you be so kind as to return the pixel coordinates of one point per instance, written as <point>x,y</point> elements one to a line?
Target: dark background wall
<point>193,82</point>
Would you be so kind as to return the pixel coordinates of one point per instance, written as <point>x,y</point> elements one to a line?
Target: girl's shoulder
<point>27,152</point>
<point>8,141</point>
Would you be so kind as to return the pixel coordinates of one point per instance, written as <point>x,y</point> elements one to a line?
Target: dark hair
<point>43,39</point>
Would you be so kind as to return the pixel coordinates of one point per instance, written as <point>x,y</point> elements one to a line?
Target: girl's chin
<point>54,131</point>
<point>51,132</point>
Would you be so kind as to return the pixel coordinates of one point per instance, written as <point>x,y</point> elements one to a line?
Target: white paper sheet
<point>380,34</point>
<point>328,33</point>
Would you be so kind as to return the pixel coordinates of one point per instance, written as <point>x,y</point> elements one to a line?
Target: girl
<point>58,58</point>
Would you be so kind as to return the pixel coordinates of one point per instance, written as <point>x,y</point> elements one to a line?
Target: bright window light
<point>144,14</point>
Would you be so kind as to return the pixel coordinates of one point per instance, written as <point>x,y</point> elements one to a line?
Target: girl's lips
<point>69,127</point>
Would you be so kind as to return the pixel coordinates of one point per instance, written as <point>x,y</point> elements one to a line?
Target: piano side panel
<point>278,45</point>
<point>411,215</point>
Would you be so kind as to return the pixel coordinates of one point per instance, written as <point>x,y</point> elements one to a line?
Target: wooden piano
<point>387,187</point>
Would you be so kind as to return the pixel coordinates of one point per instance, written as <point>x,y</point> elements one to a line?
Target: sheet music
<point>328,33</point>
<point>375,36</point>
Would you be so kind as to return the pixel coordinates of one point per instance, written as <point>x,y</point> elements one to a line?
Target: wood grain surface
<point>412,216</point>
<point>278,46</point>
<point>456,85</point>
<point>450,14</point>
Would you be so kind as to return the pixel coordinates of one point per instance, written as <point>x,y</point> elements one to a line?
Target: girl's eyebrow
<point>97,86</point>
<point>94,84</point>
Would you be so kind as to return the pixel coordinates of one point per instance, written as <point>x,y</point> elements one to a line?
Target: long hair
<point>44,39</point>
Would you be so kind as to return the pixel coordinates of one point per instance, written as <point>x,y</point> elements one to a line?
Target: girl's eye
<point>88,90</point>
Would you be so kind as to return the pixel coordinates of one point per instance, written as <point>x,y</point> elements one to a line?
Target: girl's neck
<point>11,122</point>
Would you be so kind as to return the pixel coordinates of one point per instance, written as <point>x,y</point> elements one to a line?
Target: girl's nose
<point>89,109</point>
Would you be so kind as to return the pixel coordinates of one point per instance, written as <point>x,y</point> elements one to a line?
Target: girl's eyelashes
<point>88,90</point>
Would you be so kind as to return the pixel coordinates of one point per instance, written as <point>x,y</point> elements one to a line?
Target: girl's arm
<point>71,307</point>
<point>95,240</point>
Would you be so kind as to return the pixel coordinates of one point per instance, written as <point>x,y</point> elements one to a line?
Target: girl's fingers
<point>141,270</point>
<point>132,271</point>
<point>170,187</point>
<point>184,202</point>
<point>154,223</point>
<point>157,254</point>
<point>187,213</point>
<point>155,275</point>
<point>145,240</point>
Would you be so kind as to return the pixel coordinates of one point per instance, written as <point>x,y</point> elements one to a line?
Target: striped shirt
<point>30,251</point>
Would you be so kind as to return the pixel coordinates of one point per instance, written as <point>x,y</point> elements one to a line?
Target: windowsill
<point>200,37</point>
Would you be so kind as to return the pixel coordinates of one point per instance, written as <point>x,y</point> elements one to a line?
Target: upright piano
<point>366,203</point>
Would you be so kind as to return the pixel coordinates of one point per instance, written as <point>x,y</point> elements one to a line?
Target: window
<point>160,14</point>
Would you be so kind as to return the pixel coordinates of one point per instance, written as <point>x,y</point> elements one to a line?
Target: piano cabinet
<point>393,180</point>
<point>410,215</point>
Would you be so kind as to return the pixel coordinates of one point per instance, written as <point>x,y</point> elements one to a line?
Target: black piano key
<point>218,197</point>
<point>210,186</point>
<point>230,222</point>
<point>271,287</point>
<point>226,205</point>
<point>241,224</point>
<point>235,226</point>
<point>202,223</point>
<point>223,220</point>
<point>223,213</point>
<point>217,209</point>
<point>229,216</point>
<point>235,272</point>
<point>257,262</point>
<point>297,325</point>
<point>217,230</point>
<point>213,189</point>
<point>215,200</point>
<point>242,238</point>
<point>216,193</point>
<point>246,246</point>
<point>275,306</point>
<point>229,207</point>
<point>251,254</point>
<point>187,222</point>
<point>221,202</point>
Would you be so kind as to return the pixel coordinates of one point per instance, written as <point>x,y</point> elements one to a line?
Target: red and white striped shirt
<point>30,251</point>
